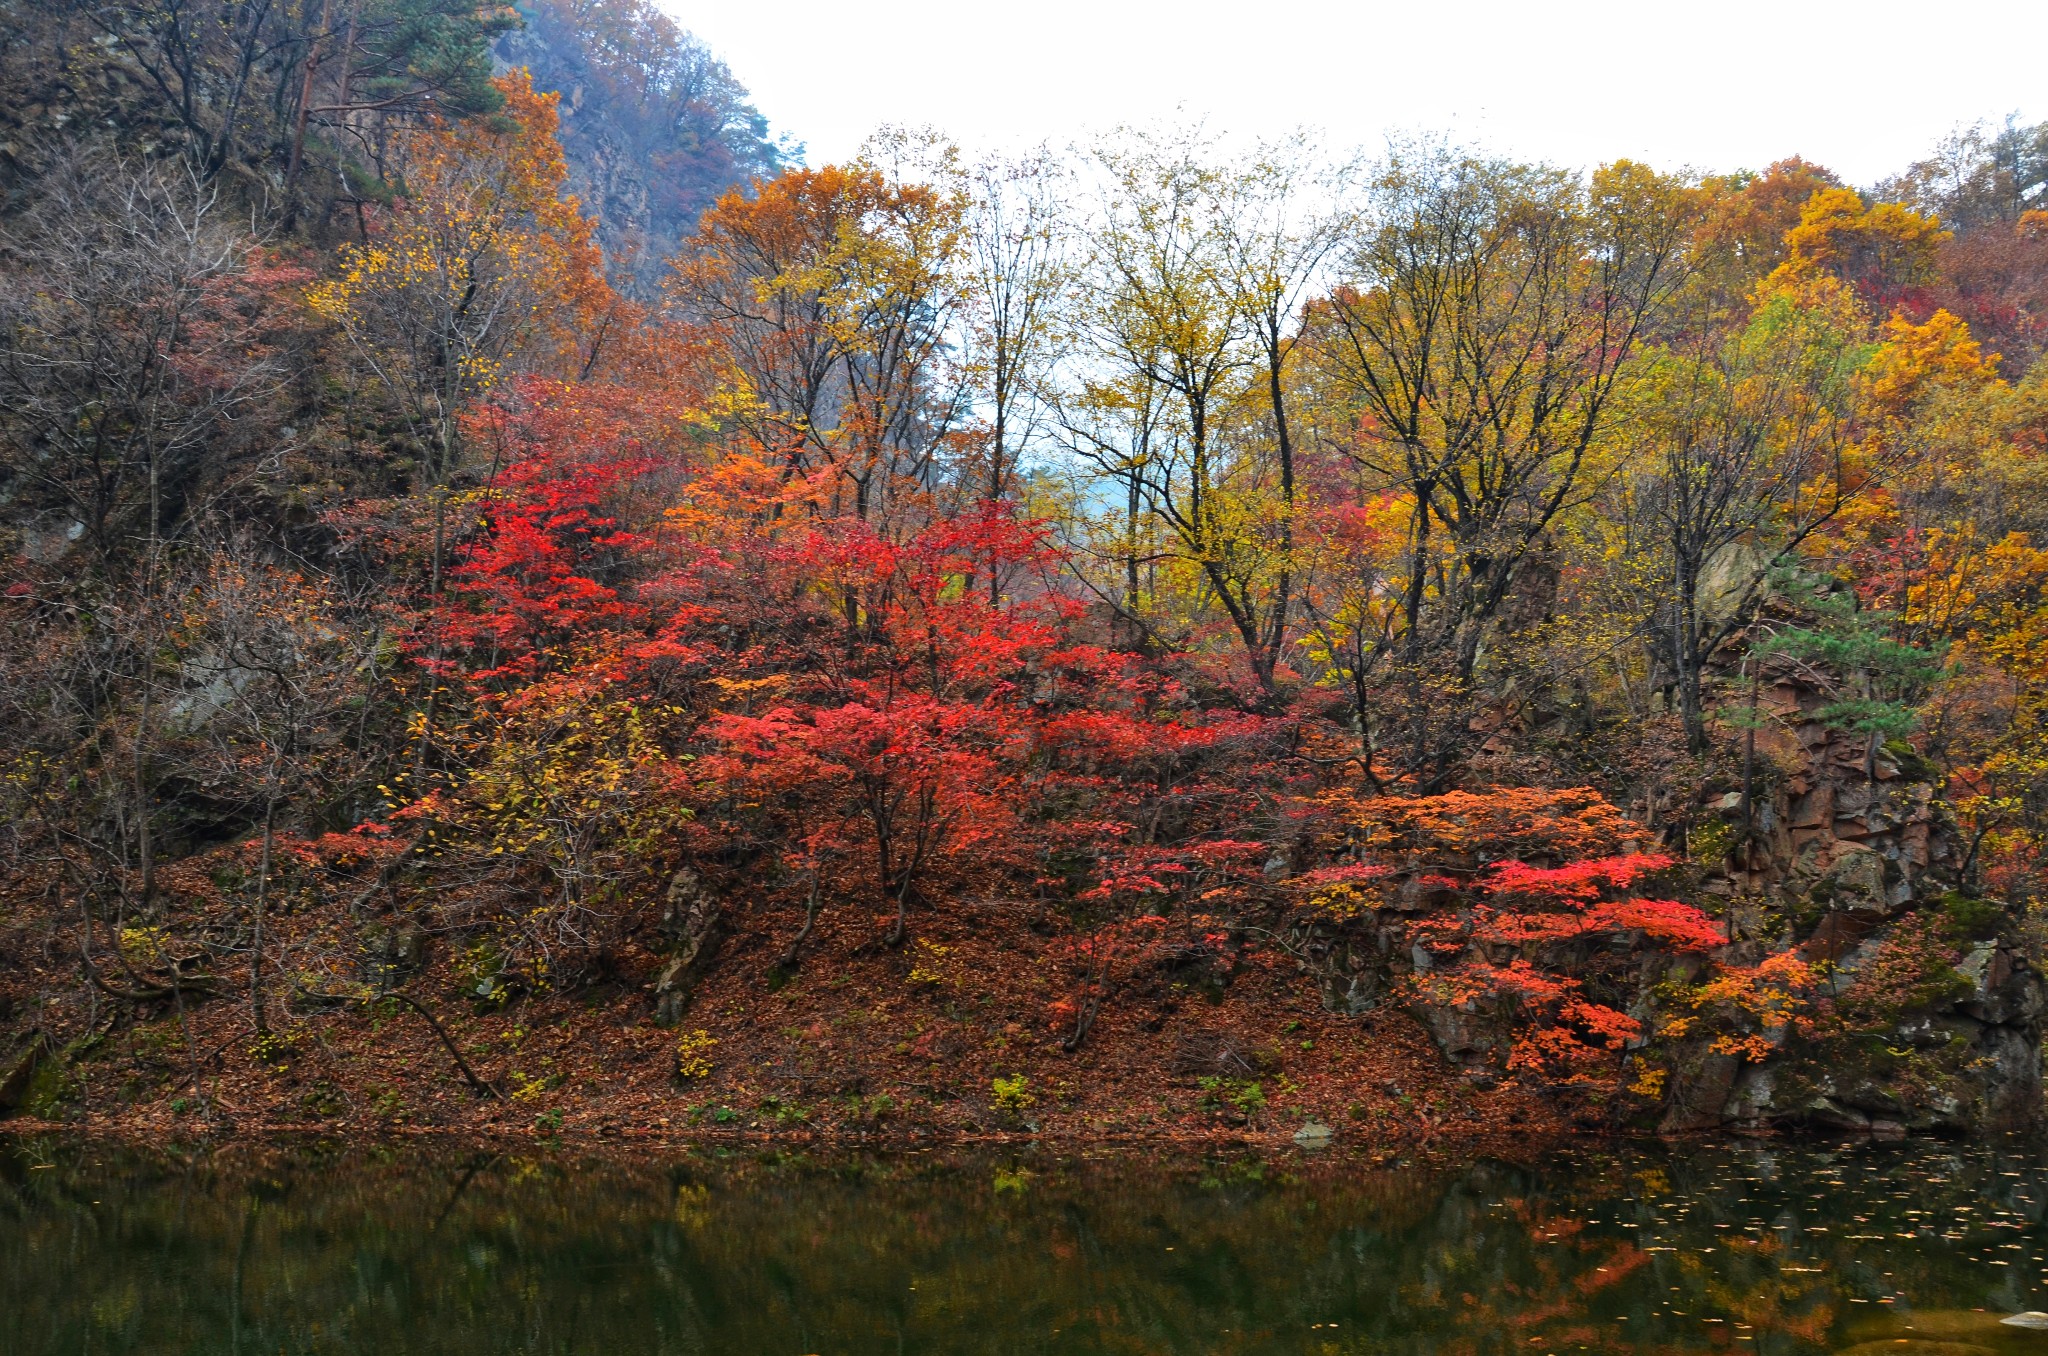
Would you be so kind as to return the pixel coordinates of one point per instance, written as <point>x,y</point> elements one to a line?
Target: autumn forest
<point>529,605</point>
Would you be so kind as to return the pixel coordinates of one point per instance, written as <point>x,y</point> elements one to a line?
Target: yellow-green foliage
<point>1011,1095</point>
<point>693,1054</point>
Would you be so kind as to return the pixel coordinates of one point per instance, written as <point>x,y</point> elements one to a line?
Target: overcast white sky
<point>1713,84</point>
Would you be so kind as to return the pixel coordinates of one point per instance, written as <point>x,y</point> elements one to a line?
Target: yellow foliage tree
<point>1876,248</point>
<point>485,264</point>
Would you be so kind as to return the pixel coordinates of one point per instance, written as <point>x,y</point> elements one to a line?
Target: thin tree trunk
<point>1749,772</point>
<point>901,930</point>
<point>1685,656</point>
<point>145,846</point>
<point>191,1044</point>
<point>796,945</point>
<point>1091,1005</point>
<point>419,764</point>
<point>256,1006</point>
<point>476,1084</point>
<point>1284,445</point>
<point>291,173</point>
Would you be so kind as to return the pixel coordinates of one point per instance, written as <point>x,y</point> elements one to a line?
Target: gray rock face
<point>694,920</point>
<point>1352,992</point>
<point>1704,1094</point>
<point>1855,880</point>
<point>1462,1032</point>
<point>653,124</point>
<point>1856,858</point>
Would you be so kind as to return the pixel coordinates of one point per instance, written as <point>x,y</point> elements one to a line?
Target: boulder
<point>1462,1033</point>
<point>1314,1135</point>
<point>1855,880</point>
<point>20,1072</point>
<point>694,920</point>
<point>1727,578</point>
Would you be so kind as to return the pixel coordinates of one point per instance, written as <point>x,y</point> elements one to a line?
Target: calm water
<point>282,1250</point>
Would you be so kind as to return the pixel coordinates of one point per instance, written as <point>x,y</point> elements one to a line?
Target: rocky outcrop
<point>693,923</point>
<point>1918,1008</point>
<point>1967,1060</point>
<point>1844,852</point>
<point>1832,820</point>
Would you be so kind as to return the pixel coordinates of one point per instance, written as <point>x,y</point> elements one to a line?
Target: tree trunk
<point>419,764</point>
<point>476,1084</point>
<point>291,173</point>
<point>1686,660</point>
<point>256,1005</point>
<point>796,944</point>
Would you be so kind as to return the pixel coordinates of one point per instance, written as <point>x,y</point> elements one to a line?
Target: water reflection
<point>292,1249</point>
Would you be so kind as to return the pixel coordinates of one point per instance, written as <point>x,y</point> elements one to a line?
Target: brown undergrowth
<point>948,1038</point>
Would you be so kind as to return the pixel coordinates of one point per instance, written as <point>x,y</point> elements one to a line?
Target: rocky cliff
<point>655,127</point>
<point>1915,1006</point>
<point>1856,862</point>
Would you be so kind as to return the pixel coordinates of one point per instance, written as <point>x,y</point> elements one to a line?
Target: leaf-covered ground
<point>927,1041</point>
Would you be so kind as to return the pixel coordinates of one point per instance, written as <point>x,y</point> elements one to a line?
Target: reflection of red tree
<point>1572,1268</point>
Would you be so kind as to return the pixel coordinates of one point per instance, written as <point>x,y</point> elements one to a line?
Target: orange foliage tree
<point>829,295</point>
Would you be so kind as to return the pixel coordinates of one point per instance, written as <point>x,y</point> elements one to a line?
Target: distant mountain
<point>654,125</point>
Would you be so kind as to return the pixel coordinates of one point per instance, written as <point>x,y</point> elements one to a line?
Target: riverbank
<point>953,1039</point>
